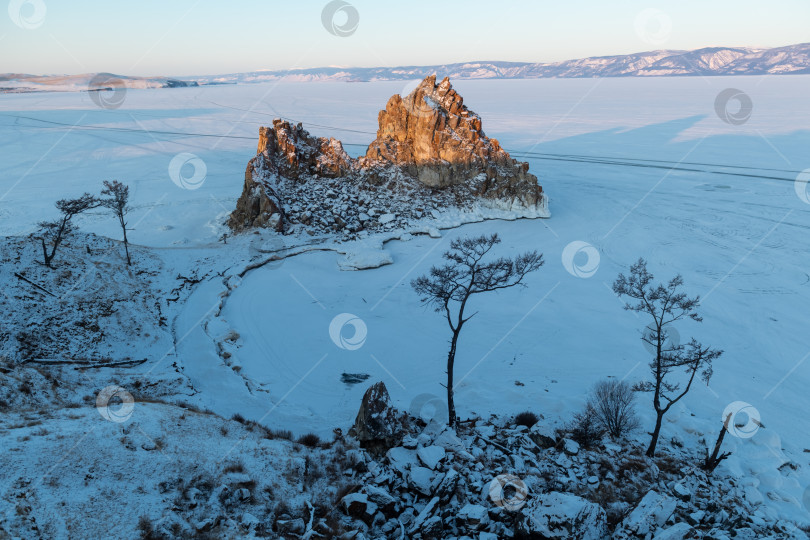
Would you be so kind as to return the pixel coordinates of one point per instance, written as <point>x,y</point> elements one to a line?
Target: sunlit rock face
<point>430,151</point>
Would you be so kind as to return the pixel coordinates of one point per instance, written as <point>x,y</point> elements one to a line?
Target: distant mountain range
<point>794,59</point>
<point>790,60</point>
<point>22,82</point>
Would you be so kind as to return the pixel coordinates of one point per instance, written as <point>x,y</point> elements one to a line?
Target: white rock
<point>424,514</point>
<point>236,478</point>
<point>563,515</point>
<point>421,478</point>
<point>679,531</point>
<point>387,218</point>
<point>364,259</point>
<point>357,504</point>
<point>571,447</point>
<point>696,517</point>
<point>430,455</point>
<point>409,442</point>
<point>249,520</point>
<point>379,496</point>
<point>424,439</point>
<point>448,440</point>
<point>402,459</point>
<point>487,431</point>
<point>433,232</point>
<point>474,515</point>
<point>681,491</point>
<point>650,514</point>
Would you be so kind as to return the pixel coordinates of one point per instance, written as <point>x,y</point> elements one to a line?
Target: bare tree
<point>612,403</point>
<point>117,197</point>
<point>448,288</point>
<point>52,233</point>
<point>712,461</point>
<point>665,304</point>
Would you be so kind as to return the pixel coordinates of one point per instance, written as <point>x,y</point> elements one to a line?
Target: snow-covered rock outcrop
<point>430,155</point>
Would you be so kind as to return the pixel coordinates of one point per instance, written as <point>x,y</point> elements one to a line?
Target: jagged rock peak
<point>293,152</point>
<point>432,134</point>
<point>430,153</point>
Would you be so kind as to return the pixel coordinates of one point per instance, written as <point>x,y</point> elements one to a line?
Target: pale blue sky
<point>197,37</point>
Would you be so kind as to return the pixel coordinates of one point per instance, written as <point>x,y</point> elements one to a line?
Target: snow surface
<point>741,242</point>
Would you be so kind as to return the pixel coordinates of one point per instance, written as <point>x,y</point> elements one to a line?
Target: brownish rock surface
<point>430,151</point>
<point>378,425</point>
<point>439,140</point>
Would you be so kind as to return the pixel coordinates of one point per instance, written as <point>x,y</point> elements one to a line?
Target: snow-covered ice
<point>729,218</point>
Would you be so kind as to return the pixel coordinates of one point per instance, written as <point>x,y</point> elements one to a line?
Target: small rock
<point>447,486</point>
<point>379,497</point>
<point>696,517</point>
<point>357,505</point>
<point>430,455</point>
<point>650,514</point>
<point>681,492</point>
<point>542,435</point>
<point>563,515</point>
<point>421,479</point>
<point>292,526</point>
<point>249,520</point>
<point>571,447</point>
<point>474,515</point>
<point>679,531</point>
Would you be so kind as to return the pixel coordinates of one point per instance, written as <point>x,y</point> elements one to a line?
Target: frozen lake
<point>728,217</point>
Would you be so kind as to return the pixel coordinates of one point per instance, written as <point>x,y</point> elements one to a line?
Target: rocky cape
<point>430,155</point>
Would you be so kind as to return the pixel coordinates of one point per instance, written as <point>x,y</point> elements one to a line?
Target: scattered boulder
<point>564,516</point>
<point>378,426</point>
<point>430,456</point>
<point>679,531</point>
<point>651,513</point>
<point>291,526</point>
<point>681,491</point>
<point>421,479</point>
<point>474,516</point>
<point>448,485</point>
<point>542,435</point>
<point>571,447</point>
<point>424,514</point>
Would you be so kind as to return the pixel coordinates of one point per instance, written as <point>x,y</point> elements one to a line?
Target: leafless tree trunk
<point>448,288</point>
<point>665,304</point>
<point>54,232</point>
<point>117,197</point>
<point>713,460</point>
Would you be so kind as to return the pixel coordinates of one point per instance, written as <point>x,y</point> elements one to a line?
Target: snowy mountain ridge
<point>708,61</point>
<point>793,59</point>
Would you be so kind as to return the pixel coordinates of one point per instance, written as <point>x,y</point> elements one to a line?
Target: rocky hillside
<point>394,476</point>
<point>430,154</point>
